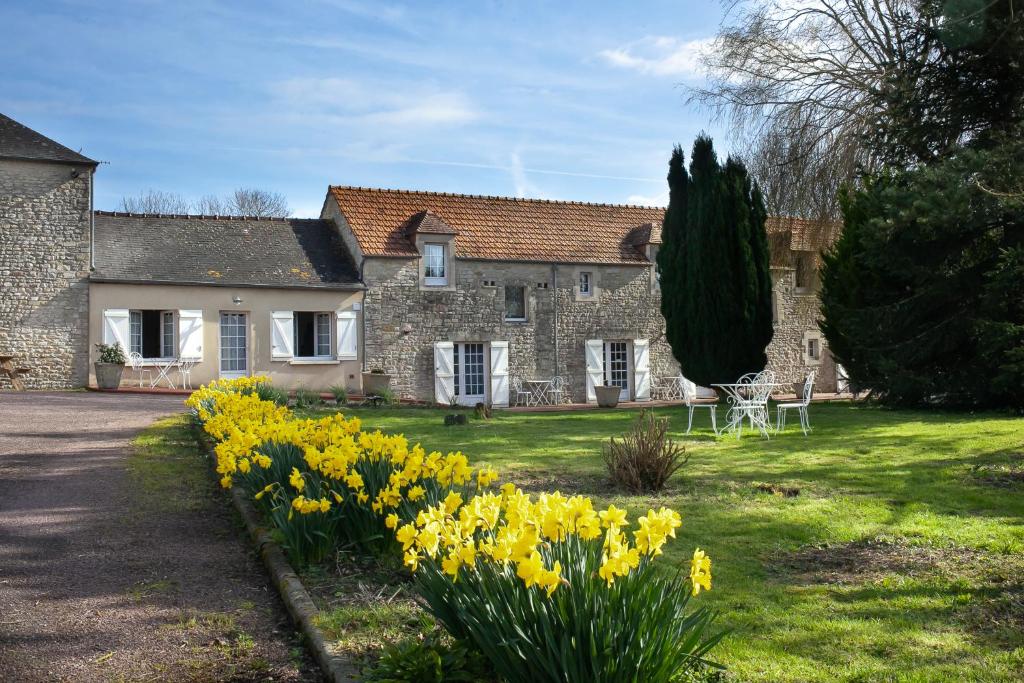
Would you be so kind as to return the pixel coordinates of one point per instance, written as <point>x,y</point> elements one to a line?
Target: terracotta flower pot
<point>607,396</point>
<point>108,375</point>
<point>374,383</point>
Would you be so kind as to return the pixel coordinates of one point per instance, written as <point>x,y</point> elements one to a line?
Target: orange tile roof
<point>498,228</point>
<point>510,229</point>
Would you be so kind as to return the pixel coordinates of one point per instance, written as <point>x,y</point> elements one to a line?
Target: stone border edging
<point>300,605</point>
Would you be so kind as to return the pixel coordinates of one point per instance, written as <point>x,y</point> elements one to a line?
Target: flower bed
<point>548,589</point>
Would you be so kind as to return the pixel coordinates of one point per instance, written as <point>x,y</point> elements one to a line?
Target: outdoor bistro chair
<point>800,405</point>
<point>522,396</point>
<point>136,363</point>
<point>559,390</point>
<point>185,371</point>
<point>690,401</point>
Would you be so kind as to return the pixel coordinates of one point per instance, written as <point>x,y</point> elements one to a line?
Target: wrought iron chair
<point>559,391</point>
<point>800,406</point>
<point>185,371</point>
<point>522,396</point>
<point>136,363</point>
<point>690,401</point>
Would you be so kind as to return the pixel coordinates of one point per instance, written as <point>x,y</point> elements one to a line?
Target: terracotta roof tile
<point>499,228</point>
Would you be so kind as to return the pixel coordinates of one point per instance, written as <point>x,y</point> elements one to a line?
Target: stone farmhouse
<point>454,295</point>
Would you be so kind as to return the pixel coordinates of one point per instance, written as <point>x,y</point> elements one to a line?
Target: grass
<point>886,546</point>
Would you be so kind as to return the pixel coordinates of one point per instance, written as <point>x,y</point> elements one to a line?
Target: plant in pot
<point>607,395</point>
<point>110,365</point>
<point>454,418</point>
<point>376,382</point>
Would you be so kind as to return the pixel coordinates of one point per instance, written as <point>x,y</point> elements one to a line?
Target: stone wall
<point>403,322</point>
<point>796,316</point>
<point>44,266</point>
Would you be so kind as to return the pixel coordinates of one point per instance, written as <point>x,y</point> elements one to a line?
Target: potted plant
<point>110,366</point>
<point>452,419</point>
<point>607,395</point>
<point>375,382</point>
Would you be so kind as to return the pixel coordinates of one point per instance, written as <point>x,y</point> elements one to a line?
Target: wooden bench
<point>12,373</point>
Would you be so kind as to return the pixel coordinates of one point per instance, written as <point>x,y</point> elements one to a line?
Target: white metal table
<point>540,391</point>
<point>748,401</point>
<point>163,368</point>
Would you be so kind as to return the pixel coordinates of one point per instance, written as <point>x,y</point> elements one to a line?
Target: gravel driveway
<point>98,584</point>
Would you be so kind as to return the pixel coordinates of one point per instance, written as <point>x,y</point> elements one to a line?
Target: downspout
<point>92,224</point>
<point>554,299</point>
<point>362,318</point>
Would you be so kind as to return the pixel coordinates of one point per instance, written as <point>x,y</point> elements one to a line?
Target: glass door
<point>469,373</point>
<point>234,361</point>
<point>616,366</point>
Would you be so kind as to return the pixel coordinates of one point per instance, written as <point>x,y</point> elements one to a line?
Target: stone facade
<point>796,313</point>
<point>44,268</point>
<point>404,321</point>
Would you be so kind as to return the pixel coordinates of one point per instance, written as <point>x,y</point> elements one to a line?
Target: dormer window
<point>435,265</point>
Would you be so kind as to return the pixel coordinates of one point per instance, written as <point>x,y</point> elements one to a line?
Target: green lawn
<point>900,559</point>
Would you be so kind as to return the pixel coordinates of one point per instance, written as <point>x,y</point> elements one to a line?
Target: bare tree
<point>155,201</point>
<point>212,205</point>
<point>802,82</point>
<point>242,202</point>
<point>254,202</point>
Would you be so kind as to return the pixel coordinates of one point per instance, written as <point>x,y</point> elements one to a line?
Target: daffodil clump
<point>309,474</point>
<point>549,588</point>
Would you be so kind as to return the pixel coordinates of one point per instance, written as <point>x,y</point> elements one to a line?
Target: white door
<point>234,337</point>
<point>470,376</point>
<point>616,366</point>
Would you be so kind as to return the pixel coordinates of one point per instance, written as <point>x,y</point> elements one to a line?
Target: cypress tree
<point>716,287</point>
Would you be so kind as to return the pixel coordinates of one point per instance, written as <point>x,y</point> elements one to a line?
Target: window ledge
<point>313,361</point>
<point>516,320</point>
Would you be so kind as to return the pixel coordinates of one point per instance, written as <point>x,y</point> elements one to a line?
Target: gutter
<point>189,283</point>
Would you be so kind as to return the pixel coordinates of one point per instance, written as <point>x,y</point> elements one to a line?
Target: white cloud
<point>660,56</point>
<point>523,186</point>
<point>648,200</point>
<point>385,104</point>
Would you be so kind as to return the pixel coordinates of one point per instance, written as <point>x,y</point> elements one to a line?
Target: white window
<point>515,302</point>
<point>586,284</point>
<point>813,349</point>
<point>152,334</point>
<point>312,334</point>
<point>435,268</point>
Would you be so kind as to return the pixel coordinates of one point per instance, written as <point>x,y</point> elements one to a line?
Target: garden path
<point>104,578</point>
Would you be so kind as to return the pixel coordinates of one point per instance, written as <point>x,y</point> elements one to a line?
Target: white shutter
<point>348,337</point>
<point>499,373</point>
<point>115,327</point>
<point>282,334</point>
<point>444,372</point>
<point>190,335</point>
<point>595,367</point>
<point>641,370</point>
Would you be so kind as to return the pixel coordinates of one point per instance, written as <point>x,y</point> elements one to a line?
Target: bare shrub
<point>644,458</point>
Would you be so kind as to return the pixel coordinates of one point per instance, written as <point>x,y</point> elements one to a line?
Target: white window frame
<point>135,334</point>
<point>521,288</point>
<point>318,316</point>
<point>588,276</point>
<point>430,253</point>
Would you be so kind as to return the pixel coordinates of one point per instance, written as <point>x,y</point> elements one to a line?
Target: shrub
<point>307,398</point>
<point>428,660</point>
<point>111,353</point>
<point>482,411</point>
<point>387,397</point>
<point>644,459</point>
<point>340,394</point>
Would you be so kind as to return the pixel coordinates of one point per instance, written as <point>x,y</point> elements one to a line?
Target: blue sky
<point>558,100</point>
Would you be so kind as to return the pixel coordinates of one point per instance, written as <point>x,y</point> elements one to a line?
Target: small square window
<point>586,284</point>
<point>515,302</point>
<point>813,349</point>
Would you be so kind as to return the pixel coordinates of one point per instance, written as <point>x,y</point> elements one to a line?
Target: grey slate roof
<point>21,142</point>
<point>225,251</point>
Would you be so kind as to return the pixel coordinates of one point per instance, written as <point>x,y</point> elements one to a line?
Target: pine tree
<point>715,282</point>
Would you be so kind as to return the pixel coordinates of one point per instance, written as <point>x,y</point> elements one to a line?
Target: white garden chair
<point>800,406</point>
<point>522,396</point>
<point>559,390</point>
<point>690,401</point>
<point>185,372</point>
<point>136,363</point>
